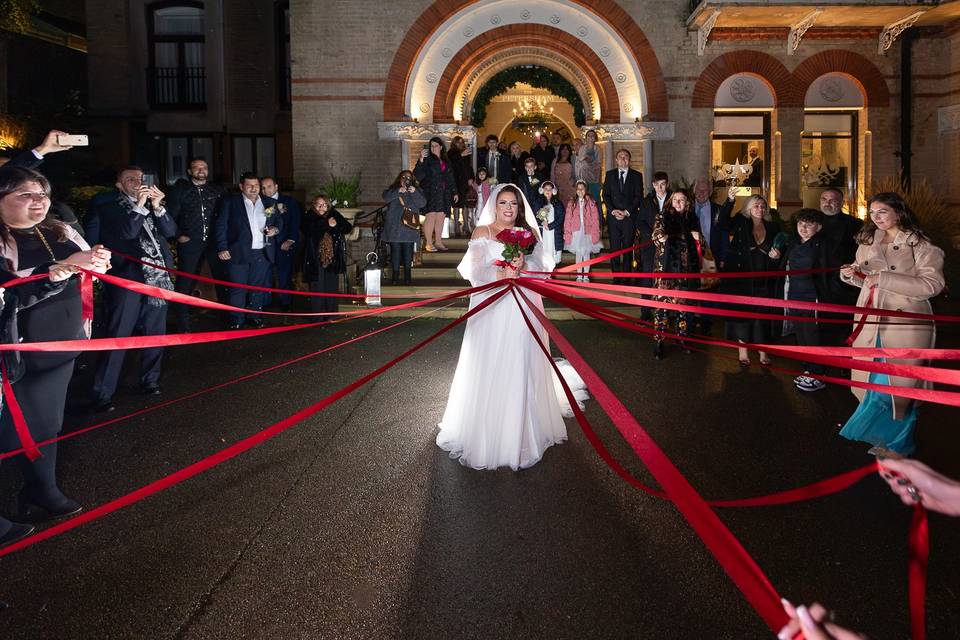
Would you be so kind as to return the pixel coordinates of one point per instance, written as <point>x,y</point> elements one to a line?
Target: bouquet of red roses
<point>516,242</point>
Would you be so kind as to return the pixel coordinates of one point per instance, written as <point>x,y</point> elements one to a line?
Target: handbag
<point>708,265</point>
<point>409,218</point>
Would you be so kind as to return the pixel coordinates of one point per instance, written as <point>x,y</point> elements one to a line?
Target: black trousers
<point>328,283</point>
<point>255,272</point>
<point>621,236</point>
<point>284,268</point>
<point>808,335</point>
<point>190,256</point>
<point>42,396</point>
<point>128,312</point>
<point>401,253</point>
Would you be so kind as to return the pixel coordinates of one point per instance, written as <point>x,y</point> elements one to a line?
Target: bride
<point>504,407</point>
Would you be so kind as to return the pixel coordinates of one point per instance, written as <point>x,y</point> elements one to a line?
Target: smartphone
<point>70,140</point>
<point>148,180</point>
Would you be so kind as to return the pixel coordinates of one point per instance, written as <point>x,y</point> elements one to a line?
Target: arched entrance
<point>456,47</point>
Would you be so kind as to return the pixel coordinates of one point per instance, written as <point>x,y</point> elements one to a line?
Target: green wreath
<point>539,77</point>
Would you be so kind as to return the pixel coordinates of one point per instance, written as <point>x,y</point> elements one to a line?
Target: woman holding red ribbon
<point>32,243</point>
<point>503,409</point>
<point>897,268</point>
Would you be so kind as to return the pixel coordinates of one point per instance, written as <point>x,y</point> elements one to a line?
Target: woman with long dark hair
<point>325,253</point>
<point>32,243</point>
<point>436,175</point>
<point>404,193</point>
<point>897,267</point>
<point>676,231</point>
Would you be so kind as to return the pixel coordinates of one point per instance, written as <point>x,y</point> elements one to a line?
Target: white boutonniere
<point>534,181</point>
<point>269,211</point>
<point>281,207</point>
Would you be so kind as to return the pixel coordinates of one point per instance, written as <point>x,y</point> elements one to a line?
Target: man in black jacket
<point>839,239</point>
<point>131,220</point>
<point>191,206</point>
<point>33,158</point>
<point>496,162</point>
<point>622,192</point>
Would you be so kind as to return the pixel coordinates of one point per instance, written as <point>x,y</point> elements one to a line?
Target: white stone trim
<point>417,131</point>
<point>635,131</point>
<point>798,30</point>
<point>485,15</point>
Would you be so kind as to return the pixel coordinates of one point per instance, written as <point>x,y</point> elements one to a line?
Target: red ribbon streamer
<point>195,394</point>
<point>862,321</point>
<point>919,541</point>
<point>721,542</point>
<point>86,297</point>
<point>19,423</point>
<point>235,449</point>
<point>252,287</point>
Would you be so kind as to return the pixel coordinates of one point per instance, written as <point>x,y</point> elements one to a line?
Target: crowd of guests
<point>251,237</point>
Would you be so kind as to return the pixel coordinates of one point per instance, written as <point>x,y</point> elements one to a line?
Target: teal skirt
<point>873,420</point>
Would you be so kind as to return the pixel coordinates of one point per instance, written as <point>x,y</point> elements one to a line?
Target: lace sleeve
<point>477,266</point>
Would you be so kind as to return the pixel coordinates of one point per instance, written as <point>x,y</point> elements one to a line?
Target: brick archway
<point>526,35</point>
<point>761,64</point>
<point>861,70</point>
<point>436,14</point>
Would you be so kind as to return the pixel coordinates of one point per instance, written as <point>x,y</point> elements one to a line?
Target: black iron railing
<point>177,86</point>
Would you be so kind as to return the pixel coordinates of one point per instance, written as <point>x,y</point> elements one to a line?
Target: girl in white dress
<point>503,409</point>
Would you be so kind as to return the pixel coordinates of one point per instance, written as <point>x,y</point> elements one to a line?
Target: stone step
<point>451,259</point>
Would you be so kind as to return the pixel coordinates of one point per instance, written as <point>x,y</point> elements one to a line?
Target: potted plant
<point>344,193</point>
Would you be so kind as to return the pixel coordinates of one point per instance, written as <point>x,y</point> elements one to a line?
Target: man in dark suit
<point>622,192</point>
<point>131,220</point>
<point>714,231</point>
<point>245,233</point>
<point>755,179</point>
<point>650,206</point>
<point>289,210</point>
<point>496,162</point>
<point>530,182</point>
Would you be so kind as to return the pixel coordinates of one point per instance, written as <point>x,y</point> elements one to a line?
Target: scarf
<point>149,252</point>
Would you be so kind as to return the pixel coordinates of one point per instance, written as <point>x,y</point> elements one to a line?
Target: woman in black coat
<point>325,253</point>
<point>436,176</point>
<point>403,193</point>
<point>38,312</point>
<point>753,233</point>
<point>461,159</point>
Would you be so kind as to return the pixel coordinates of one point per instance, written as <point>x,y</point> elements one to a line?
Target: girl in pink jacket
<point>581,228</point>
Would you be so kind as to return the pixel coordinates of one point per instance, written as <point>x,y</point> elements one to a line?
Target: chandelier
<point>528,106</point>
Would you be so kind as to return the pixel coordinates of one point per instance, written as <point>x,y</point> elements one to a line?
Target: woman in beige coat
<point>897,261</point>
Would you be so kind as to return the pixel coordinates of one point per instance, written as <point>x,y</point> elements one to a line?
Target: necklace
<point>46,244</point>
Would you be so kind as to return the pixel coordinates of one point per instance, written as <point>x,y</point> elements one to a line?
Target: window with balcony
<point>176,78</point>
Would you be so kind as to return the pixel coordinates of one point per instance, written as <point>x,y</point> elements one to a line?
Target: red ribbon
<point>19,423</point>
<point>919,541</point>
<point>862,321</point>
<point>86,297</point>
<point>724,546</point>
<point>235,449</point>
<point>601,258</point>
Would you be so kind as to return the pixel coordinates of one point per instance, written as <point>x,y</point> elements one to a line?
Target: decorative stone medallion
<point>555,19</point>
<point>604,52</point>
<point>831,89</point>
<point>446,53</point>
<point>425,107</point>
<point>743,90</point>
<point>582,31</point>
<point>468,32</point>
<point>431,78</point>
<point>524,15</point>
<point>628,107</point>
<point>495,19</point>
<point>621,78</point>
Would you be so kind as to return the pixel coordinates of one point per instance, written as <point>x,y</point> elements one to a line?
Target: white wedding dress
<point>505,405</point>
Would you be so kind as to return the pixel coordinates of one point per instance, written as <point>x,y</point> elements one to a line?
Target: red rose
<point>526,239</point>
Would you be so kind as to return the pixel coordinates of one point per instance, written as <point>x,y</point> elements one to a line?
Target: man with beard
<point>192,205</point>
<point>839,240</point>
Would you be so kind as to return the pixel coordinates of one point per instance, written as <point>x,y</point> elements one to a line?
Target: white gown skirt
<point>505,407</point>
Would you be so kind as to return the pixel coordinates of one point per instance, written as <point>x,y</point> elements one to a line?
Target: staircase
<point>438,275</point>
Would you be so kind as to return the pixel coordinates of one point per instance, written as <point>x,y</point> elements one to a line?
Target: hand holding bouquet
<point>517,242</point>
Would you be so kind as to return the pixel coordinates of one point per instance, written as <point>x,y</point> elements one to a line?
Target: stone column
<point>647,163</point>
<point>787,184</point>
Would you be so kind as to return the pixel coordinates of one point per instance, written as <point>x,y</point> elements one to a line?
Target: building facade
<point>175,79</point>
<point>788,97</point>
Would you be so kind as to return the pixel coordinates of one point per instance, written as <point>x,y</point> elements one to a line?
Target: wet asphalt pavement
<point>353,524</point>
